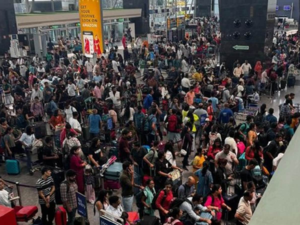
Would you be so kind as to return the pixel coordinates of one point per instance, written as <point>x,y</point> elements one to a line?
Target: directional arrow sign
<point>241,47</point>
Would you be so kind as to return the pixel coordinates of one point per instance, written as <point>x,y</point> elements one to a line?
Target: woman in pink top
<point>216,202</point>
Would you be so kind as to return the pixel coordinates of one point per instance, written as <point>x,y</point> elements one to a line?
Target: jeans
<point>28,161</point>
<point>71,216</point>
<point>48,214</point>
<point>127,203</point>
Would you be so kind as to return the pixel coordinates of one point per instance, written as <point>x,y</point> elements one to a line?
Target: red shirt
<point>167,200</point>
<point>123,144</point>
<point>124,41</point>
<point>212,152</point>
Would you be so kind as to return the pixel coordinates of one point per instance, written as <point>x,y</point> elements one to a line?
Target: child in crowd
<point>90,183</point>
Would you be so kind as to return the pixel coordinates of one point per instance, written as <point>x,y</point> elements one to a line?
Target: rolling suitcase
<point>40,130</point>
<point>291,81</point>
<point>86,133</point>
<point>7,215</point>
<point>113,172</point>
<point>26,213</point>
<point>111,185</point>
<point>60,216</point>
<point>12,167</point>
<point>232,201</point>
<point>282,84</point>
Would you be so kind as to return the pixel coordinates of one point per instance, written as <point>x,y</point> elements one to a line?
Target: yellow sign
<point>91,27</point>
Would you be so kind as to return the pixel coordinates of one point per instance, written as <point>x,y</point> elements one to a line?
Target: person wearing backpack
<point>151,121</point>
<point>189,215</point>
<point>147,198</point>
<point>243,129</point>
<point>163,199</point>
<point>173,127</point>
<point>138,119</point>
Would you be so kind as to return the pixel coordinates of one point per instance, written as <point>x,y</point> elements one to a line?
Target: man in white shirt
<point>74,123</point>
<point>238,71</point>
<point>229,156</point>
<point>114,209</point>
<point>231,142</point>
<point>244,212</point>
<point>263,80</point>
<point>69,112</point>
<point>246,68</point>
<point>115,66</point>
<point>71,89</point>
<point>115,96</point>
<point>36,92</point>
<point>185,83</point>
<point>89,68</point>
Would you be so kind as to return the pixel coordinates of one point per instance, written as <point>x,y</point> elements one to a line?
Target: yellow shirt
<point>197,76</point>
<point>198,162</point>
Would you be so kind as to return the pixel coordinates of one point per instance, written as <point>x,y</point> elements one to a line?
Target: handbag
<point>183,152</point>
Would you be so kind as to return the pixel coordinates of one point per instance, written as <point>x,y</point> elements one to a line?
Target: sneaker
<point>31,172</point>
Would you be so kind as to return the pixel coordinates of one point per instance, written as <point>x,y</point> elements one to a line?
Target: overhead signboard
<point>91,24</point>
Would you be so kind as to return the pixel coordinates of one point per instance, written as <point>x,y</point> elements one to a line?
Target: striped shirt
<point>45,186</point>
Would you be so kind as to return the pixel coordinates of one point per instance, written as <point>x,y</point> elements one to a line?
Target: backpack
<point>172,123</point>
<point>147,123</point>
<point>286,133</point>
<point>153,204</point>
<point>138,119</point>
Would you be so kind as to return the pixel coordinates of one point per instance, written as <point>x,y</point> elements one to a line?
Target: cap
<point>207,120</point>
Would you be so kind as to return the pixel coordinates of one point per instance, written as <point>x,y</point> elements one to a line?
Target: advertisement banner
<point>91,25</point>
<point>81,205</point>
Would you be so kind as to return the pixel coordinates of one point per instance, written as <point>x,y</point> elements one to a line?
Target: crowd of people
<point>190,115</point>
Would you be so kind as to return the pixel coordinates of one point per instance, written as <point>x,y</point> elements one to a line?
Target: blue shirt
<point>94,121</point>
<point>215,103</point>
<point>290,130</point>
<point>271,119</point>
<point>148,101</point>
<point>225,115</point>
<point>97,79</point>
<point>153,120</point>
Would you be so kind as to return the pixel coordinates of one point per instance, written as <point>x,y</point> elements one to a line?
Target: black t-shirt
<point>164,167</point>
<point>48,151</point>
<point>138,155</point>
<point>246,176</point>
<point>95,151</point>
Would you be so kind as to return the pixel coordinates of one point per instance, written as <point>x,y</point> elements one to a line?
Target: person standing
<point>27,140</point>
<point>46,191</point>
<point>244,212</point>
<point>78,165</point>
<point>127,184</point>
<point>68,189</point>
<point>95,123</point>
<point>89,68</point>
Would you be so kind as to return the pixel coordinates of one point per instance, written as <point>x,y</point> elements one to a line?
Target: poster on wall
<point>91,25</point>
<point>88,43</point>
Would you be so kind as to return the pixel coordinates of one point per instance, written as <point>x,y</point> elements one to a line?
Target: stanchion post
<point>19,193</point>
